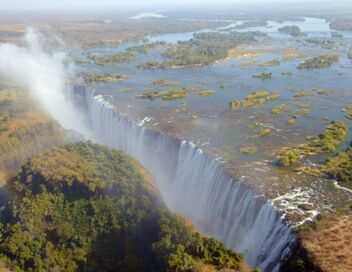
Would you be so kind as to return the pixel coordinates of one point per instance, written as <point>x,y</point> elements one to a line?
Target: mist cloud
<point>44,74</point>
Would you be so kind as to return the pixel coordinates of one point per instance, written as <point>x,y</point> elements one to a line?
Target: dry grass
<point>24,130</point>
<point>293,53</point>
<point>330,245</point>
<point>243,53</point>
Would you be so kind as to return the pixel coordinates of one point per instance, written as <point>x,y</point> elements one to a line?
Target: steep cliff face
<point>86,207</point>
<point>197,186</point>
<point>25,130</point>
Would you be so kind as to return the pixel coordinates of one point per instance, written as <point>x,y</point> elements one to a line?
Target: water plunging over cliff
<point>197,186</point>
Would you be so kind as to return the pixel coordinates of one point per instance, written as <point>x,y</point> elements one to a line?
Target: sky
<point>101,4</point>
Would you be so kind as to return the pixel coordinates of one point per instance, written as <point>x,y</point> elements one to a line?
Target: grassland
<point>325,243</point>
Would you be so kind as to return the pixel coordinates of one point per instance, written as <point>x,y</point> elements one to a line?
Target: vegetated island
<point>117,58</point>
<point>103,77</point>
<point>249,24</point>
<point>249,150</point>
<point>86,207</point>
<point>178,93</point>
<point>258,97</point>
<point>203,49</point>
<point>279,109</point>
<point>326,142</point>
<point>273,62</point>
<point>343,23</point>
<point>323,42</point>
<point>293,30</point>
<point>322,61</point>
<point>165,83</point>
<point>206,92</point>
<point>263,75</point>
<point>146,48</point>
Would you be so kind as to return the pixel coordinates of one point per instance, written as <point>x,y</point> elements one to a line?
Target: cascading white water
<point>198,187</point>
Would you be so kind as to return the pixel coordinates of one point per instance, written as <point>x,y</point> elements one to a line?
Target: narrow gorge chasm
<point>195,185</point>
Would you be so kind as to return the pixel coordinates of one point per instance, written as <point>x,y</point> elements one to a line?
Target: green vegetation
<point>85,207</point>
<point>117,58</point>
<point>146,48</point>
<point>291,121</point>
<point>273,62</point>
<point>206,92</point>
<point>279,109</point>
<point>152,65</point>
<point>258,97</point>
<point>289,157</point>
<point>178,93</point>
<point>249,150</point>
<point>264,132</point>
<point>263,75</point>
<point>165,83</point>
<point>294,31</point>
<point>167,95</point>
<point>322,61</point>
<point>249,24</point>
<point>203,49</point>
<point>103,77</point>
<point>324,43</point>
<point>300,94</point>
<point>340,166</point>
<point>326,142</point>
<point>253,125</point>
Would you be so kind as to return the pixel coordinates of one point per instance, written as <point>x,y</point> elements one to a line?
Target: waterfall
<point>198,187</point>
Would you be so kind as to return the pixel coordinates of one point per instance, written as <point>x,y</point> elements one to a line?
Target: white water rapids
<point>196,186</point>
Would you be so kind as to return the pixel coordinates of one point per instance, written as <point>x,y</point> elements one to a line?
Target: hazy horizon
<point>33,5</point>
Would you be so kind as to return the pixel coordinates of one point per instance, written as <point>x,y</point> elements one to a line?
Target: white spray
<point>44,74</point>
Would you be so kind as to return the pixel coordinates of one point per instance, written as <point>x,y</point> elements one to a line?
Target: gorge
<point>196,185</point>
<point>247,151</point>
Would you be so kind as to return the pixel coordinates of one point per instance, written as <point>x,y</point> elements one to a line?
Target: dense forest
<point>86,207</point>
